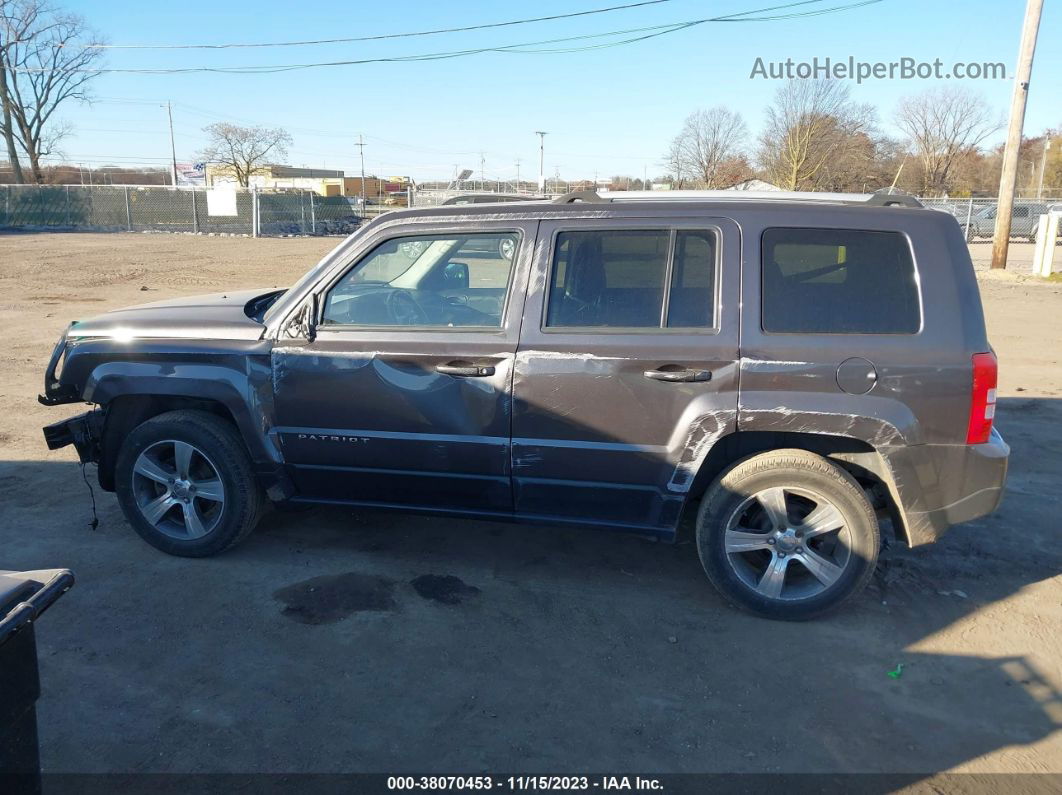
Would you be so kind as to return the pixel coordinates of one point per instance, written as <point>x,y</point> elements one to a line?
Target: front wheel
<point>787,535</point>
<point>184,482</point>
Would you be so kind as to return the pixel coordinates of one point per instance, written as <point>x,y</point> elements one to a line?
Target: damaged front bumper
<point>55,392</point>
<point>83,431</point>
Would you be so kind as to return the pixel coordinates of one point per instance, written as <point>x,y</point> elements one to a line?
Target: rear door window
<point>838,281</point>
<point>633,278</point>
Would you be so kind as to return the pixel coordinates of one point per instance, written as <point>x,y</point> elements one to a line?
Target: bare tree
<point>734,170</point>
<point>674,163</point>
<point>811,124</point>
<point>50,61</point>
<point>245,150</point>
<point>943,126</point>
<point>17,19</point>
<point>708,140</point>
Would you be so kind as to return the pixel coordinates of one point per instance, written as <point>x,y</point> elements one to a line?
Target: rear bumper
<point>986,477</point>
<point>83,431</point>
<point>944,485</point>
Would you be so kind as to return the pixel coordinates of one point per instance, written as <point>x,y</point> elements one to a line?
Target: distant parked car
<point>1022,221</point>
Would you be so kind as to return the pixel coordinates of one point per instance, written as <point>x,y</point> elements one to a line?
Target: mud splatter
<point>326,600</point>
<point>444,588</point>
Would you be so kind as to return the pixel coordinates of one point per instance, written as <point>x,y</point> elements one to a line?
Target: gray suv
<point>787,373</point>
<point>1024,218</point>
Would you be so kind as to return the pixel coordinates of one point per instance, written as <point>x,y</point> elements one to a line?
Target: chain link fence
<point>133,208</point>
<point>301,212</point>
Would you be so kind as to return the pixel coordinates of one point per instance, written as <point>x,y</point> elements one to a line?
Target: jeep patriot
<point>787,371</point>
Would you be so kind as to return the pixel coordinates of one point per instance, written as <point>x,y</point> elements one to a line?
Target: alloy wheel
<point>178,490</point>
<point>788,543</point>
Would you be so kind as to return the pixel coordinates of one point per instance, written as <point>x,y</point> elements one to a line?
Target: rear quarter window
<point>838,281</point>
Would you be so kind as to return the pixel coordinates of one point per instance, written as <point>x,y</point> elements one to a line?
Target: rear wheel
<point>787,535</point>
<point>185,483</point>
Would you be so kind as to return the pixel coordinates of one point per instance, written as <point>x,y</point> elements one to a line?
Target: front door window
<point>427,281</point>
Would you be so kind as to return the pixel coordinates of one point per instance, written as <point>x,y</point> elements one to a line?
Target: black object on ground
<point>24,596</point>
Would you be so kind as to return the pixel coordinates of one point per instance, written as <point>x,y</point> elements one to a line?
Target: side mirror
<point>303,325</point>
<point>455,276</point>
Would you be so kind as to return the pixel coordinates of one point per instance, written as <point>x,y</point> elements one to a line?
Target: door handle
<point>465,370</point>
<point>675,376</point>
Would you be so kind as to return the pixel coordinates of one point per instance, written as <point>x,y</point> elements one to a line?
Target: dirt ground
<point>566,650</point>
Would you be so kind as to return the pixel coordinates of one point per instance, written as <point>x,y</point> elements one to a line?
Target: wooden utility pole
<point>1004,209</point>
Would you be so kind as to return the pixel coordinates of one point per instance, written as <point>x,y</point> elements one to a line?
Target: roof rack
<point>591,196</point>
<point>489,198</point>
<point>881,198</point>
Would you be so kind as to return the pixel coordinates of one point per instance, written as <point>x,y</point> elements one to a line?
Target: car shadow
<point>455,645</point>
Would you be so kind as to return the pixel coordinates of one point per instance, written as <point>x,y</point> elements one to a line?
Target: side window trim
<point>713,229</point>
<point>669,275</point>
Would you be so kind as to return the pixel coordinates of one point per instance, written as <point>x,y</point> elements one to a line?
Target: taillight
<point>982,398</point>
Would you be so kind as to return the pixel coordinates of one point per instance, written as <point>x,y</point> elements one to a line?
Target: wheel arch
<point>856,456</point>
<point>126,412</point>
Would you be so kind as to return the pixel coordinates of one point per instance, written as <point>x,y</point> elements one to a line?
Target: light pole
<point>361,152</point>
<point>173,148</point>
<point>541,160</point>
<point>1043,167</point>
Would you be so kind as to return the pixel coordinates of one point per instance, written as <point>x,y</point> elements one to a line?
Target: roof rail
<point>580,196</point>
<point>888,197</point>
<point>488,198</point>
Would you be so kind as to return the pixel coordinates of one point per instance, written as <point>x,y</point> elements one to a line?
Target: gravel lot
<point>321,645</point>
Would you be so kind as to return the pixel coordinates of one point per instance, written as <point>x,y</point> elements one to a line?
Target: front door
<point>403,398</point>
<point>626,372</point>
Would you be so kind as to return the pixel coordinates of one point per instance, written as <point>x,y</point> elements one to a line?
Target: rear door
<point>626,370</point>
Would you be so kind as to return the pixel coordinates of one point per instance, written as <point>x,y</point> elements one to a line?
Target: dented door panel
<point>364,421</point>
<point>395,416</point>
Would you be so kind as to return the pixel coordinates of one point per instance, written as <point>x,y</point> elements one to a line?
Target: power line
<point>380,37</point>
<point>650,32</point>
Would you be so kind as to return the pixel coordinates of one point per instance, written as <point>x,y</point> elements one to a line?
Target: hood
<point>214,316</point>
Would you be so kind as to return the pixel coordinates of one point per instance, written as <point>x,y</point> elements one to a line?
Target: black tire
<point>219,446</point>
<point>802,595</point>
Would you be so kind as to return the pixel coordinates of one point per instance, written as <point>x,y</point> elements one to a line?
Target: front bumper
<point>83,431</point>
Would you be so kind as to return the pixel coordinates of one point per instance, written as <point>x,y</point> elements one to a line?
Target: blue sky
<point>609,111</point>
